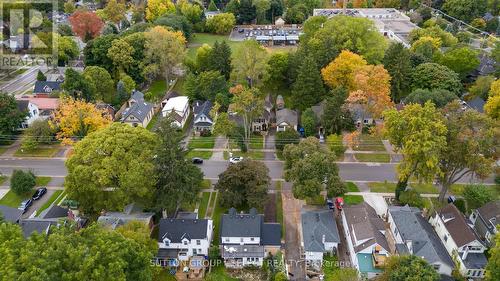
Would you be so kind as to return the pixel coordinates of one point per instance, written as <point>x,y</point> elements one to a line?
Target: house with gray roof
<point>202,120</point>
<point>245,239</point>
<point>413,234</point>
<point>485,221</point>
<point>366,238</point>
<point>138,112</point>
<point>10,214</point>
<point>131,212</point>
<point>319,235</point>
<point>460,240</point>
<point>45,88</point>
<point>286,119</point>
<point>182,238</point>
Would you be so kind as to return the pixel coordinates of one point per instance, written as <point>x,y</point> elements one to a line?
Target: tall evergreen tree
<point>121,93</point>
<point>398,63</point>
<point>212,7</point>
<point>308,88</point>
<point>220,58</point>
<point>246,12</point>
<point>40,76</point>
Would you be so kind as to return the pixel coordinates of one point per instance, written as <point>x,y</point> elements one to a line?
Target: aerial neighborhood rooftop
<point>250,140</point>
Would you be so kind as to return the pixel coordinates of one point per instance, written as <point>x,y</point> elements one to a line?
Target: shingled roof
<point>178,229</point>
<point>316,227</point>
<point>456,225</point>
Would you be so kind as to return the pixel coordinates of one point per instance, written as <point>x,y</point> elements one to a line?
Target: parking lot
<point>270,35</point>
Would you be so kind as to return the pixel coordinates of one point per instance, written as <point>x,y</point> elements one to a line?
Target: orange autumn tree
<point>75,119</point>
<point>340,72</point>
<point>371,94</point>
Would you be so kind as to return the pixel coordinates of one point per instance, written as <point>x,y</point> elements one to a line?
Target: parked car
<point>25,205</point>
<point>234,160</point>
<point>241,30</point>
<point>39,193</point>
<point>197,160</point>
<point>330,204</point>
<point>339,203</point>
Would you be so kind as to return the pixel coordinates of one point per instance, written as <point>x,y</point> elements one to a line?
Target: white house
<point>414,235</point>
<point>32,111</point>
<point>178,109</point>
<point>366,240</point>
<point>286,119</point>
<point>319,236</point>
<point>246,239</point>
<point>138,112</point>
<point>460,241</point>
<point>181,239</point>
<point>485,220</point>
<point>202,120</point>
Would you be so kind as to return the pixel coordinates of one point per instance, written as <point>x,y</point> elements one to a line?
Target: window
<point>445,238</point>
<point>252,239</point>
<point>194,252</point>
<point>241,239</point>
<point>436,266</point>
<point>185,242</point>
<point>198,242</point>
<point>226,239</point>
<point>166,242</point>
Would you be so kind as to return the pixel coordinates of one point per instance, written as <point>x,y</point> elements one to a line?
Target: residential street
<point>349,171</point>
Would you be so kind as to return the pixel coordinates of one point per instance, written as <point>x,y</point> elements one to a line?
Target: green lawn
<point>201,142</point>
<point>49,202</point>
<point>370,143</point>
<point>252,154</point>
<point>153,121</point>
<point>202,210</point>
<point>317,200</point>
<point>162,274</point>
<point>389,187</point>
<point>13,200</point>
<point>374,157</point>
<point>351,187</point>
<point>39,152</point>
<point>42,181</point>
<point>199,154</point>
<point>217,216</point>
<point>256,142</point>
<point>219,273</point>
<point>179,83</point>
<point>2,149</point>
<point>353,199</point>
<point>2,179</point>
<point>206,184</point>
<point>198,39</point>
<point>157,89</point>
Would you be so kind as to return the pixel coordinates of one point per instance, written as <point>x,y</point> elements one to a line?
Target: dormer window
<point>166,242</point>
<point>185,242</point>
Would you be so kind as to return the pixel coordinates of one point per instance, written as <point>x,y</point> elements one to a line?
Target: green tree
<point>312,168</point>
<point>286,137</point>
<point>308,89</point>
<point>246,12</point>
<point>93,246</point>
<point>447,39</point>
<point>419,133</point>
<point>308,121</point>
<point>220,58</point>
<point>439,97</point>
<point>336,144</point>
<point>296,14</point>
<point>203,58</point>
<point>111,168</point>
<point>250,63</point>
<point>122,94</point>
<point>178,179</point>
<point>461,60</point>
<point>244,184</point>
<point>398,64</point>
<point>40,76</point>
<point>205,86</point>
<point>277,70</point>
<point>471,146</point>
<point>436,76</point>
<point>336,117</point>
<point>261,7</point>
<point>477,195</point>
<point>465,10</point>
<point>120,53</point>
<point>22,182</point>
<point>481,86</point>
<point>177,23</point>
<point>192,12</point>
<point>493,266</point>
<point>115,11</point>
<point>409,267</point>
<point>212,7</point>
<point>411,198</point>
<point>10,116</point>
<point>249,104</point>
<point>101,82</point>
<point>96,52</point>
<point>41,132</point>
<point>77,86</point>
<point>140,233</point>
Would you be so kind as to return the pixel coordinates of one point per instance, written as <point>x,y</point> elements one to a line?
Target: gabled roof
<point>41,226</point>
<point>414,228</point>
<point>271,234</point>
<point>490,213</point>
<point>22,105</point>
<point>287,116</point>
<point>176,230</point>
<point>202,107</point>
<point>456,225</point>
<point>316,227</point>
<point>477,104</point>
<point>366,224</point>
<point>241,225</point>
<point>10,214</point>
<point>54,212</point>
<point>43,103</point>
<point>115,219</point>
<point>242,251</point>
<point>46,86</point>
<point>139,109</point>
<point>176,103</point>
<point>319,109</point>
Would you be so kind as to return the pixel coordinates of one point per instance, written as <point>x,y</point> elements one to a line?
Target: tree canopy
<point>436,76</point>
<point>409,267</point>
<point>10,116</point>
<point>340,72</point>
<point>250,63</point>
<point>439,97</point>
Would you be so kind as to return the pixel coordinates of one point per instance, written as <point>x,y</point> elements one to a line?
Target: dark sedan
<point>197,160</point>
<point>39,193</point>
<point>25,205</point>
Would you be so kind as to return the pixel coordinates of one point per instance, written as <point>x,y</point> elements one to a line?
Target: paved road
<point>348,171</point>
<point>21,83</point>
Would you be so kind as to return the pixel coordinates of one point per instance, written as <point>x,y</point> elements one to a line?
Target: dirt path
<point>291,217</point>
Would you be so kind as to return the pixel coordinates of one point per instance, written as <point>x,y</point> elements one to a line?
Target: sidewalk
<point>12,148</point>
<point>219,148</point>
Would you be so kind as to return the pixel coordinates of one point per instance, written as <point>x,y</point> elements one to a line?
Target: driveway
<point>377,202</point>
<point>38,203</point>
<point>342,251</point>
<point>291,217</point>
<point>220,144</point>
<point>269,144</point>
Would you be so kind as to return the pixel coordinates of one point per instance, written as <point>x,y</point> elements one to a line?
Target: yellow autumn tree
<point>75,119</point>
<point>340,72</point>
<point>371,95</point>
<point>492,106</point>
<point>158,8</point>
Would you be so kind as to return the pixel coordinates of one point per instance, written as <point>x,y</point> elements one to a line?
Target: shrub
<point>22,182</point>
<point>286,137</point>
<point>412,198</point>
<point>477,195</point>
<point>336,144</point>
<point>205,133</point>
<point>460,204</point>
